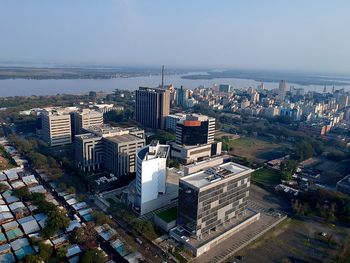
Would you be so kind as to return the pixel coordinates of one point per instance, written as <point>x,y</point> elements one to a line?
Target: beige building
<point>120,152</point>
<point>56,126</point>
<point>112,148</point>
<point>152,107</point>
<point>191,153</point>
<point>85,118</point>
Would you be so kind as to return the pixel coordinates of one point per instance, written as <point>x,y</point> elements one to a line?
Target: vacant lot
<point>266,178</point>
<point>255,149</point>
<point>298,241</point>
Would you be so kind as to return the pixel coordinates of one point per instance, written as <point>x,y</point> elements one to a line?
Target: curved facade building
<point>150,175</point>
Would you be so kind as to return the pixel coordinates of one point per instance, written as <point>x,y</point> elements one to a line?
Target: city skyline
<point>249,35</point>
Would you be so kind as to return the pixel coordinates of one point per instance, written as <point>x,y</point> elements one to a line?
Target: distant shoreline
<point>293,78</point>
<point>103,73</point>
<point>58,73</point>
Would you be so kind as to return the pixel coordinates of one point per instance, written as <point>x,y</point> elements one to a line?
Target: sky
<point>298,35</point>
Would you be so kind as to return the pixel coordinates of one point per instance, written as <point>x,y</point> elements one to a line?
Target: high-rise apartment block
<point>112,148</point>
<point>210,198</point>
<point>282,91</point>
<point>151,175</point>
<point>56,127</point>
<point>152,107</point>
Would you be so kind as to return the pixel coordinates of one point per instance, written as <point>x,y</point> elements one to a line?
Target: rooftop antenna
<point>162,76</point>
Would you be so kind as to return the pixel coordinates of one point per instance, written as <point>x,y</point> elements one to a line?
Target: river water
<point>28,87</point>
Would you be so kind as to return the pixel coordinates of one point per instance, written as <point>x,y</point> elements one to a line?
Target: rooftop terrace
<point>216,173</point>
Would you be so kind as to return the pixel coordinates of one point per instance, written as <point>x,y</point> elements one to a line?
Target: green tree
<point>288,168</point>
<point>23,193</point>
<point>3,187</point>
<point>71,190</point>
<point>85,236</point>
<point>92,256</point>
<point>32,259</point>
<point>38,198</point>
<point>144,227</point>
<point>62,252</point>
<point>56,220</point>
<point>45,251</point>
<point>100,218</point>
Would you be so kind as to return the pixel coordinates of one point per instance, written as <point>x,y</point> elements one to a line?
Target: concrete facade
<point>190,154</point>
<point>56,127</point>
<point>172,119</point>
<point>113,148</point>
<point>210,198</point>
<point>85,118</point>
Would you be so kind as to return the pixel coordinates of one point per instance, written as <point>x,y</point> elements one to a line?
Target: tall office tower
<point>195,129</point>
<point>150,175</point>
<point>56,127</point>
<point>225,88</point>
<point>210,198</point>
<point>152,107</point>
<point>282,90</point>
<point>182,97</point>
<point>84,118</point>
<point>113,148</point>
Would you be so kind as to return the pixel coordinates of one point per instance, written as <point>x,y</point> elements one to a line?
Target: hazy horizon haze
<point>271,35</point>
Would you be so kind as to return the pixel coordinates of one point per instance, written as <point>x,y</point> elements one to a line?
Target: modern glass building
<point>195,129</point>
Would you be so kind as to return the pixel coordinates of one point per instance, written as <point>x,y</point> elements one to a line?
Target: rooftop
<point>107,130</point>
<point>124,138</point>
<point>216,173</point>
<point>156,90</point>
<point>88,112</point>
<point>59,110</point>
<point>154,150</point>
<point>195,117</point>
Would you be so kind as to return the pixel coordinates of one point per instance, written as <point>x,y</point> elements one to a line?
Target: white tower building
<point>150,175</point>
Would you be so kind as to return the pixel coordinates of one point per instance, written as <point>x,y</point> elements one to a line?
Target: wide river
<point>28,87</point>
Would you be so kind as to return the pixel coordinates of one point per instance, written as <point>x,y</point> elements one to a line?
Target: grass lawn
<point>254,148</point>
<point>266,178</point>
<point>168,215</point>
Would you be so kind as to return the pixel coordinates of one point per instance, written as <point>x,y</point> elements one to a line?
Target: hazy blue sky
<point>309,35</point>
